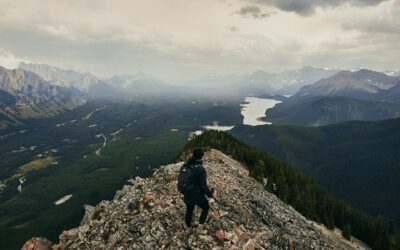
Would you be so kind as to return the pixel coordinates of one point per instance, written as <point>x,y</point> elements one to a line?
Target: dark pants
<point>189,213</point>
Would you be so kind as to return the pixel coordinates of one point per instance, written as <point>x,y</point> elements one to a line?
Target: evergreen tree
<point>346,233</point>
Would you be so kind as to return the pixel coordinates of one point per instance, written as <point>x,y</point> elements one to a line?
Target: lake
<point>253,110</point>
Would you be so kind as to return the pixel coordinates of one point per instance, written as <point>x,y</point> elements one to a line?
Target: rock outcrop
<point>148,214</point>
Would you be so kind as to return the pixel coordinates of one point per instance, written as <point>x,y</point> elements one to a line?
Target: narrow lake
<point>254,109</point>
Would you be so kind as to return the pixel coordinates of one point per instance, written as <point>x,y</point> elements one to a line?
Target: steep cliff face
<point>60,77</point>
<point>24,94</point>
<point>148,214</point>
<point>30,87</point>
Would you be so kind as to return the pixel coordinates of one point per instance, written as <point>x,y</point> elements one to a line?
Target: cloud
<point>253,11</point>
<point>386,21</point>
<point>307,7</point>
<point>233,28</point>
<point>377,27</point>
<point>9,60</point>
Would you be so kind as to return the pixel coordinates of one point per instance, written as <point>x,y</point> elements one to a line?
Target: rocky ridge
<point>86,83</point>
<point>148,214</point>
<point>60,77</point>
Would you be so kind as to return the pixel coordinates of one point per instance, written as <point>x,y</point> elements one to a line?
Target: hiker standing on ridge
<point>192,182</point>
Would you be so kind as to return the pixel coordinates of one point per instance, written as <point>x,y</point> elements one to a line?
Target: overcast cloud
<point>253,11</point>
<point>178,40</point>
<point>307,7</point>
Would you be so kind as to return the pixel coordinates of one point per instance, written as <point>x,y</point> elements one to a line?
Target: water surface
<point>253,110</point>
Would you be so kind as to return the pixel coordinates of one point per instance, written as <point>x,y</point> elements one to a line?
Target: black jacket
<point>201,189</point>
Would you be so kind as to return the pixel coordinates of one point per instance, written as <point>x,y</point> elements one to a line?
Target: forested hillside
<point>348,159</point>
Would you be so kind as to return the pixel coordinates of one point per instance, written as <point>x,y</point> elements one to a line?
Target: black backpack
<point>186,178</point>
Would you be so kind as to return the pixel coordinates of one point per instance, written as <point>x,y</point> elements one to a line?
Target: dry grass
<point>37,164</point>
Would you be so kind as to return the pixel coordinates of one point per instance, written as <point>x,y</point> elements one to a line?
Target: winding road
<point>98,151</point>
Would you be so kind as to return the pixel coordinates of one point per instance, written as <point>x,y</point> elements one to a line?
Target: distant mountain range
<point>262,82</point>
<point>323,96</point>
<point>357,161</point>
<point>66,78</point>
<point>85,82</point>
<point>363,84</point>
<point>40,90</point>
<point>24,95</point>
<point>141,84</point>
<point>359,95</point>
<point>117,87</point>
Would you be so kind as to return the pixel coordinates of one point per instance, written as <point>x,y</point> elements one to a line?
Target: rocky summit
<point>148,214</point>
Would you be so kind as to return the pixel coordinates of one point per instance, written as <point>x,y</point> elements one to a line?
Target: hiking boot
<point>189,231</point>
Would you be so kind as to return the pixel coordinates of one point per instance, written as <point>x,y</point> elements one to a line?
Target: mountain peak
<point>362,84</point>
<point>148,214</point>
<point>363,73</point>
<point>33,96</point>
<point>61,77</point>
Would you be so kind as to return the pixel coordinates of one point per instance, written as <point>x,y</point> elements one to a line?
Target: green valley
<point>64,162</point>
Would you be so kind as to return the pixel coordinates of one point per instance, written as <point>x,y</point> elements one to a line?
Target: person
<point>197,195</point>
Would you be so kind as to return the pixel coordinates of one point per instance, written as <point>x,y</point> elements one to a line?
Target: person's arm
<point>203,182</point>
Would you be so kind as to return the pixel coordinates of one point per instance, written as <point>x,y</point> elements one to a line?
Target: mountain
<point>67,78</point>
<point>363,84</point>
<point>359,95</point>
<point>105,91</point>
<point>287,82</point>
<point>85,82</point>
<point>349,159</point>
<point>318,111</point>
<point>148,214</point>
<point>262,82</point>
<point>26,95</point>
<point>139,84</point>
<point>115,88</point>
<point>393,73</point>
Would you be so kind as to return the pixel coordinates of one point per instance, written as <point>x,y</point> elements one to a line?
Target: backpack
<point>186,178</point>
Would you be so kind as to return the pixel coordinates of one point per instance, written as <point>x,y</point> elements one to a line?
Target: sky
<point>179,40</point>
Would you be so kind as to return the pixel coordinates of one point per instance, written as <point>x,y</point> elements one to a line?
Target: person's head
<point>198,153</point>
